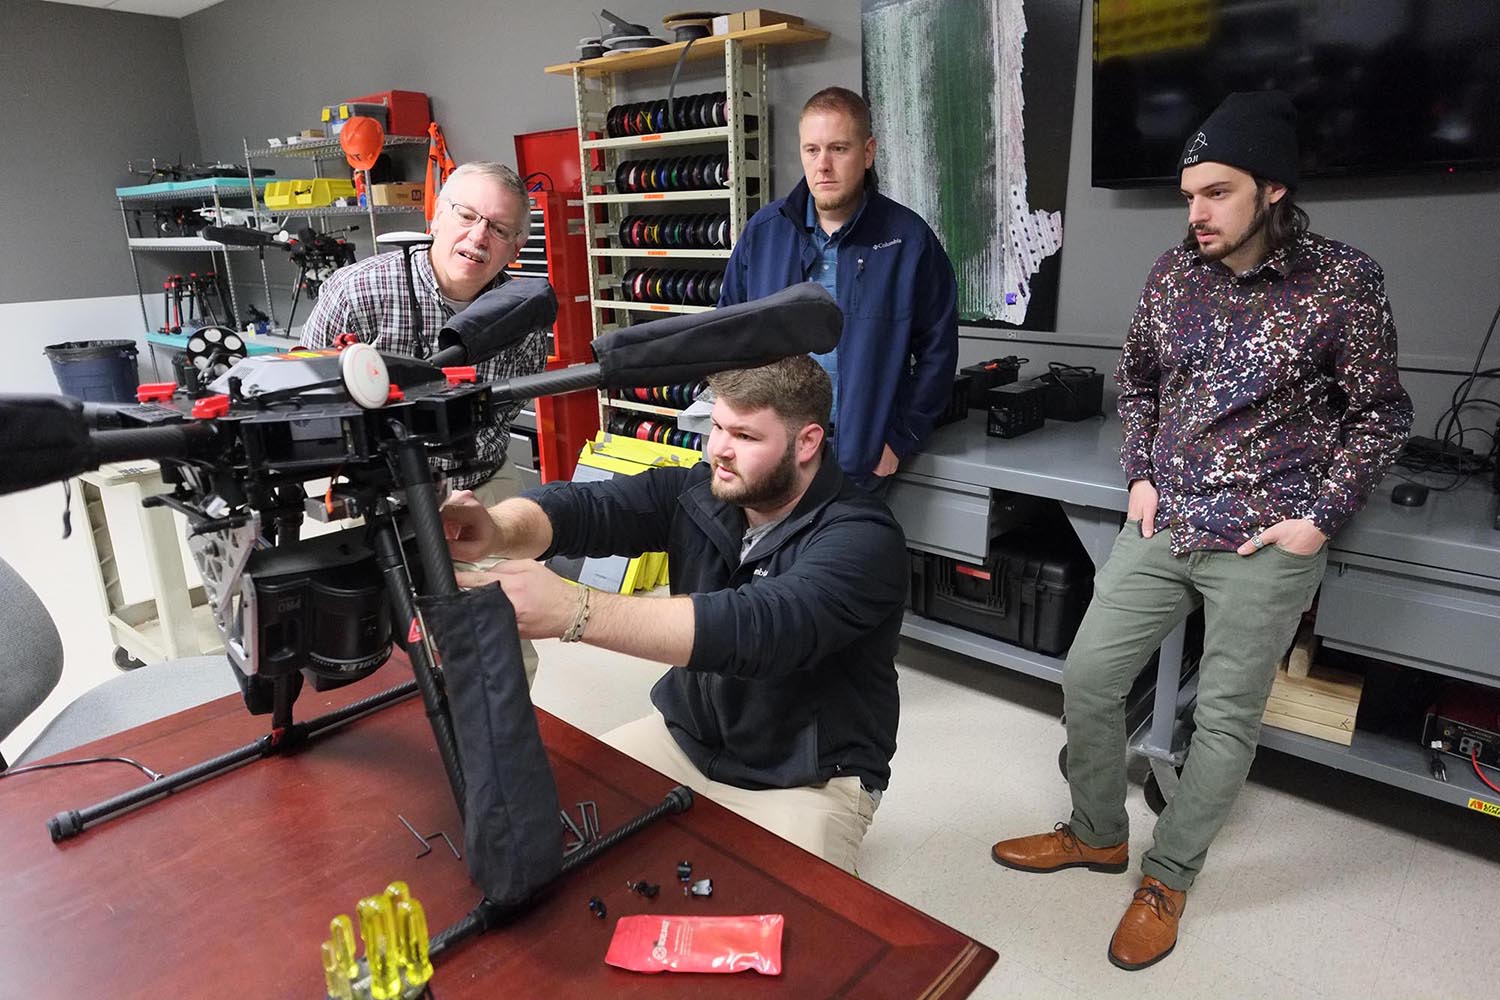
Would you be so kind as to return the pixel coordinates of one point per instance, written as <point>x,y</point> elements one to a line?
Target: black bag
<point>511,835</point>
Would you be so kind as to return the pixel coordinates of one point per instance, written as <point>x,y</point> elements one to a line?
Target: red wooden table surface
<point>226,888</point>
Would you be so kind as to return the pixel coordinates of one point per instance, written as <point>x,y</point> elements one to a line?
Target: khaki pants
<point>1251,608</point>
<point>829,820</point>
<point>502,486</point>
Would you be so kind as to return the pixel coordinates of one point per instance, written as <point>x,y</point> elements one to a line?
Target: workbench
<point>1417,586</point>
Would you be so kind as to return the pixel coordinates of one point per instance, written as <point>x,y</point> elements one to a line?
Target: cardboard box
<point>397,193</point>
<point>759,17</point>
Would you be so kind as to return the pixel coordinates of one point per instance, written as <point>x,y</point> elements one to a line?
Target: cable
<point>672,87</point>
<point>1474,759</point>
<point>1467,385</point>
<point>153,775</point>
<point>551,184</point>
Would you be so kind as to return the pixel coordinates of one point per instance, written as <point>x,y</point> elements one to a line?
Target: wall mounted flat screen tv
<point>1381,86</point>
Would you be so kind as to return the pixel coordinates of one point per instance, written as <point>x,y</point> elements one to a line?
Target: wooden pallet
<point>1322,705</point>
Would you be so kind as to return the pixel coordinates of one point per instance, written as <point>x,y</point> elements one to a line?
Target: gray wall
<point>84,91</point>
<point>480,61</point>
<point>1435,235</point>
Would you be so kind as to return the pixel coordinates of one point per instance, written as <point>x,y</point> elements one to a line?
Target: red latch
<point>975,572</point>
<point>155,392</point>
<point>395,395</point>
<point>461,373</point>
<point>211,406</point>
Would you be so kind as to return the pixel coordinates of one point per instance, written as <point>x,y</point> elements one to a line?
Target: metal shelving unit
<point>597,88</point>
<point>317,151</point>
<point>325,149</point>
<point>216,193</point>
<point>181,243</point>
<point>656,307</point>
<point>335,211</point>
<point>635,252</point>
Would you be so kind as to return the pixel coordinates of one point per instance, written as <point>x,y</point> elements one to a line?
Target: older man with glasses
<point>482,221</point>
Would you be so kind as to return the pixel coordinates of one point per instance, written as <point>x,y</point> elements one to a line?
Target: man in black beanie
<point>1261,405</point>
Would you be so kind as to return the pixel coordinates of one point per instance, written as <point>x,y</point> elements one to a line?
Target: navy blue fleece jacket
<point>899,348</point>
<point>792,679</point>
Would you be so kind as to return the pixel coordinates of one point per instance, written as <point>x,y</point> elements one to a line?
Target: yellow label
<point>1488,808</point>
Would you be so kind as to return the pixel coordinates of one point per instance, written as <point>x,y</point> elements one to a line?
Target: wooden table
<point>226,888</point>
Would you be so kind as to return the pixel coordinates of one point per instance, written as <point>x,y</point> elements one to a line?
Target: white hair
<point>501,175</point>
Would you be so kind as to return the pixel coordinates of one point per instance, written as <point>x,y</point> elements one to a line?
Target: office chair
<point>31,661</point>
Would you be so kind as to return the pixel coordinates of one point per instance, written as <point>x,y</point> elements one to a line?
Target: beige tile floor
<point>1320,886</point>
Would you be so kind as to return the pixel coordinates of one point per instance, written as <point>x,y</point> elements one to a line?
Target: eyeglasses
<point>468,218</point>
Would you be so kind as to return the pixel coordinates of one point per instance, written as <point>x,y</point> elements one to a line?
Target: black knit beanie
<point>1255,131</point>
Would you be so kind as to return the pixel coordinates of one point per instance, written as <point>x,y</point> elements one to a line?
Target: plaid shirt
<point>1252,399</point>
<point>370,299</point>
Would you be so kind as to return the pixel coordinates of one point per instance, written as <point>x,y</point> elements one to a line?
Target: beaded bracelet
<point>574,632</point>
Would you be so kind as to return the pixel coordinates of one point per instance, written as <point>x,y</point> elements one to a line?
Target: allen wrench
<point>425,841</point>
<point>588,811</point>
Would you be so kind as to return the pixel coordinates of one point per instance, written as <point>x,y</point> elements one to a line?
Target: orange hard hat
<point>361,139</point>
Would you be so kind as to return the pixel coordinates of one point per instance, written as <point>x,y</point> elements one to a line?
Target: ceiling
<point>161,8</point>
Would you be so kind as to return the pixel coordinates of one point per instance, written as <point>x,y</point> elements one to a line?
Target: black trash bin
<point>97,371</point>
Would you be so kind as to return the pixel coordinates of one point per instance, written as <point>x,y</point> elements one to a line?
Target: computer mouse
<point>1409,494</point>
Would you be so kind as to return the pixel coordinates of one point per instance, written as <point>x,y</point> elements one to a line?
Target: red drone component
<point>155,392</point>
<point>211,406</point>
<point>461,373</point>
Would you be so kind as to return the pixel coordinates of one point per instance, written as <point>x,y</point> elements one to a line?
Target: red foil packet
<point>667,943</point>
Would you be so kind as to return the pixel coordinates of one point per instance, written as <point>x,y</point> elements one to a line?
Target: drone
<point>329,610</point>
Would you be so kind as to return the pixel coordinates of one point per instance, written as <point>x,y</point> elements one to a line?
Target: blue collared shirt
<point>825,271</point>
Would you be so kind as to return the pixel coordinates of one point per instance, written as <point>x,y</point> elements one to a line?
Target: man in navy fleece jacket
<point>788,584</point>
<point>893,369</point>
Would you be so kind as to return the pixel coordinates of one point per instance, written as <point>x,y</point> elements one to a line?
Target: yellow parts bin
<point>614,454</point>
<point>313,192</point>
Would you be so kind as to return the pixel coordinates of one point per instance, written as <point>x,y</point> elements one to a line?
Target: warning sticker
<point>1488,808</point>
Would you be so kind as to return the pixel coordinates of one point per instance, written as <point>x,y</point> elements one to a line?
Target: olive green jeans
<point>1251,606</point>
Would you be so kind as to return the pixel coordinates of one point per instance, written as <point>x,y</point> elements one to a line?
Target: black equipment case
<point>1030,590</point>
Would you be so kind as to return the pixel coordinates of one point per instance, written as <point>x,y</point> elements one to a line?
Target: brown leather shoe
<point>1148,930</point>
<point>1052,852</point>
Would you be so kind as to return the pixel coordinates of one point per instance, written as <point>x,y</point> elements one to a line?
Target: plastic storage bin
<point>335,115</point>
<point>310,192</point>
<point>408,112</point>
<point>97,371</point>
